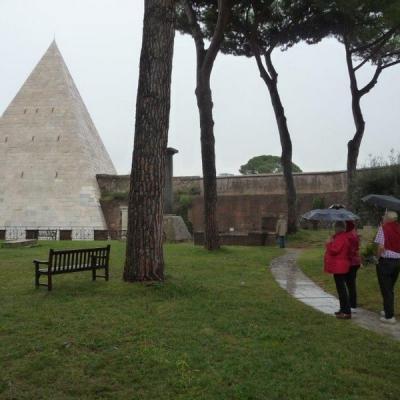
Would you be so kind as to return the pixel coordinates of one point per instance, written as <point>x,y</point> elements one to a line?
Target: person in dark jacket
<point>355,262</point>
<point>337,262</point>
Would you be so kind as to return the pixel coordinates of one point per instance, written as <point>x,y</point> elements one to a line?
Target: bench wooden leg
<point>106,273</point>
<point>49,282</point>
<point>93,274</point>
<point>37,277</point>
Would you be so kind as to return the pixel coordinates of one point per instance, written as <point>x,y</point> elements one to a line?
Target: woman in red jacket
<point>355,261</point>
<point>337,262</point>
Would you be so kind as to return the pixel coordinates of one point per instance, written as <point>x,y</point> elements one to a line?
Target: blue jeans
<point>281,241</point>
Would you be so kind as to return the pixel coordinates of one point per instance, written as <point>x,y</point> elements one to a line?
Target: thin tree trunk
<point>286,156</point>
<point>144,250</point>
<point>353,146</point>
<point>270,78</point>
<point>205,63</point>
<point>205,105</point>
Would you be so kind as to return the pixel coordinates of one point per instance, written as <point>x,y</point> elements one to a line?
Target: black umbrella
<point>330,214</point>
<point>389,202</point>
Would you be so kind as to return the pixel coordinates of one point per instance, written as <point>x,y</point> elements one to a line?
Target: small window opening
<point>25,110</point>
<point>56,174</point>
<point>37,110</point>
<point>33,138</point>
<point>58,138</point>
<point>6,139</point>
<point>52,110</point>
<point>22,174</point>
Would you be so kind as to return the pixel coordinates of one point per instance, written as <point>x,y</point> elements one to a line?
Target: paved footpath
<point>292,279</point>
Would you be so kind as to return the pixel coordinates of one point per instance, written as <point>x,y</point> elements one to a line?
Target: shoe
<point>338,312</point>
<point>382,313</point>
<point>388,320</point>
<point>343,316</point>
<point>354,310</point>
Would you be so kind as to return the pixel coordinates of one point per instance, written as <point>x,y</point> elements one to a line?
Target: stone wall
<point>243,201</point>
<point>246,213</point>
<point>109,184</point>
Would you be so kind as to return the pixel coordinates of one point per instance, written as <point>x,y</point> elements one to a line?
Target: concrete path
<point>292,279</point>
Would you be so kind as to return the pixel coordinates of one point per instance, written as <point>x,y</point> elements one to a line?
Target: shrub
<point>381,177</point>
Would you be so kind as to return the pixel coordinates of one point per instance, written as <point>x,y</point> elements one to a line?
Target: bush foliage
<point>381,177</point>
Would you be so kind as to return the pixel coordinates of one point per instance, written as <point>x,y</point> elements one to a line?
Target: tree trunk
<point>286,156</point>
<point>271,80</point>
<point>205,105</point>
<point>353,146</point>
<point>144,251</point>
<point>205,63</point>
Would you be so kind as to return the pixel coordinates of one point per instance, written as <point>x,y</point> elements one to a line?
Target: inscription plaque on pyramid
<point>50,153</point>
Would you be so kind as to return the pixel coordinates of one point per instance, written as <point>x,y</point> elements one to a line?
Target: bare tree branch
<point>373,81</point>
<point>195,28</point>
<point>270,65</point>
<point>391,64</point>
<point>263,72</point>
<point>218,37</point>
<point>374,52</point>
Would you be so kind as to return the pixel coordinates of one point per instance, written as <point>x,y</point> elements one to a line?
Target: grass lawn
<point>219,328</point>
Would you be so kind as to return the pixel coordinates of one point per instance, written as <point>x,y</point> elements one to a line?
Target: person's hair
<point>390,216</point>
<point>340,226</point>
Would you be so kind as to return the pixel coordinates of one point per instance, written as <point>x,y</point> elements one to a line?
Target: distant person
<point>281,230</point>
<point>337,262</point>
<point>388,268</point>
<point>355,262</point>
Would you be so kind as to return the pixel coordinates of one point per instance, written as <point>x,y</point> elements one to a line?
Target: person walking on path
<point>337,262</point>
<point>281,230</point>
<point>388,268</point>
<point>355,262</point>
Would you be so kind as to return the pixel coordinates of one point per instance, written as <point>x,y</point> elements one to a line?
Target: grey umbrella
<point>330,214</point>
<point>383,201</point>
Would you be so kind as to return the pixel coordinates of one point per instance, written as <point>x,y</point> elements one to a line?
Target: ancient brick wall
<point>244,201</point>
<point>245,213</point>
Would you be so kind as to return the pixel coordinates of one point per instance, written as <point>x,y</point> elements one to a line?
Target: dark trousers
<point>340,281</point>
<point>387,271</point>
<point>351,278</point>
<point>281,241</point>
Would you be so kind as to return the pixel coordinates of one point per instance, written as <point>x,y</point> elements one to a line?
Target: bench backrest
<point>78,259</point>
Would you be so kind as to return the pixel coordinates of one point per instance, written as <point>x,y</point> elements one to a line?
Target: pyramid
<point>50,153</point>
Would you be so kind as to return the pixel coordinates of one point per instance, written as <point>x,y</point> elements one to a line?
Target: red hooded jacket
<point>391,231</point>
<point>354,251</point>
<point>337,252</point>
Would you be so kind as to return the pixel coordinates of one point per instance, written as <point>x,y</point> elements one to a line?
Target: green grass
<point>218,328</point>
<point>306,238</point>
<point>369,297</point>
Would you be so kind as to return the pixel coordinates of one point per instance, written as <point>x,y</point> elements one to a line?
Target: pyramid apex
<point>53,46</point>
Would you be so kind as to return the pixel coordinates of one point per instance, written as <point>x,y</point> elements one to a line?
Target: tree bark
<point>205,106</point>
<point>205,63</point>
<point>270,77</point>
<point>353,146</point>
<point>144,247</point>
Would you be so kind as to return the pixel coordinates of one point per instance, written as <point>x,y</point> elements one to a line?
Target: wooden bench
<point>65,261</point>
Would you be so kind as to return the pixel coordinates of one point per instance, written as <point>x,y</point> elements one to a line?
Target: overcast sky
<point>101,39</point>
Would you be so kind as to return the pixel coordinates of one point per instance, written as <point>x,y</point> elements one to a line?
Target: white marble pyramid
<point>50,153</point>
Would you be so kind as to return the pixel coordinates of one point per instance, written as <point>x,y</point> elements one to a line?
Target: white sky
<point>101,39</point>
